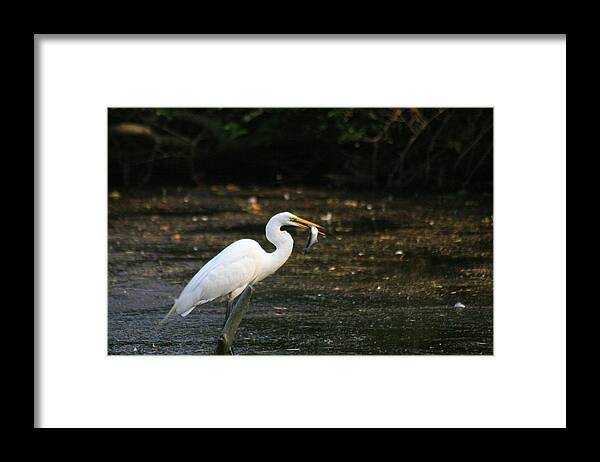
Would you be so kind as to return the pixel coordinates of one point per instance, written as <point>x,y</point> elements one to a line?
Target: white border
<point>523,384</point>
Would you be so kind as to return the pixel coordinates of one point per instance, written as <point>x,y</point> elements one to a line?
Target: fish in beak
<point>312,238</point>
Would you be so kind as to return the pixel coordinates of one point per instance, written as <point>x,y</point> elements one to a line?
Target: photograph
<point>300,230</point>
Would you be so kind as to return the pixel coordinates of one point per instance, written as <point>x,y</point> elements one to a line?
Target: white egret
<point>239,266</point>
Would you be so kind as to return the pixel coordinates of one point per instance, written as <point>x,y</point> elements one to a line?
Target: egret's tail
<point>171,311</point>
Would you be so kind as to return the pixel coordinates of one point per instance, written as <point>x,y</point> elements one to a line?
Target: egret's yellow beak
<point>305,224</point>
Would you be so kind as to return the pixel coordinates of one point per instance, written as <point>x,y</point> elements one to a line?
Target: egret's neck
<point>282,241</point>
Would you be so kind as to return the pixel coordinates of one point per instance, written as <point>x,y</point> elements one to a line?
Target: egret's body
<point>238,266</point>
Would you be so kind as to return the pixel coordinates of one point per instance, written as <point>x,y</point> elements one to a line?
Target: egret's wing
<point>233,268</point>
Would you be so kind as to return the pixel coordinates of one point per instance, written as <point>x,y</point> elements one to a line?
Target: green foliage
<point>234,130</point>
<point>392,148</point>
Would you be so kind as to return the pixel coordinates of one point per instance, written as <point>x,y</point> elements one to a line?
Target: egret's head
<point>289,219</point>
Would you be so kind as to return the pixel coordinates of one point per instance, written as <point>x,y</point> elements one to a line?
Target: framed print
<point>337,231</point>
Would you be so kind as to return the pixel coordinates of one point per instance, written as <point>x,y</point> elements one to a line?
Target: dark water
<point>385,281</point>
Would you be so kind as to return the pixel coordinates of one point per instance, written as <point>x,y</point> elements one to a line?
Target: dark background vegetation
<point>391,149</point>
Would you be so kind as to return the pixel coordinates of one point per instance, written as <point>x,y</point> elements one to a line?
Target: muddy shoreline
<point>385,281</point>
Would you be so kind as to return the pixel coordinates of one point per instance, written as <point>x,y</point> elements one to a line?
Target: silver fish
<point>312,238</point>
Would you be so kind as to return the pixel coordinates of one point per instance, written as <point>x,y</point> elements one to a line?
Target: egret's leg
<point>228,311</point>
<point>225,342</point>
